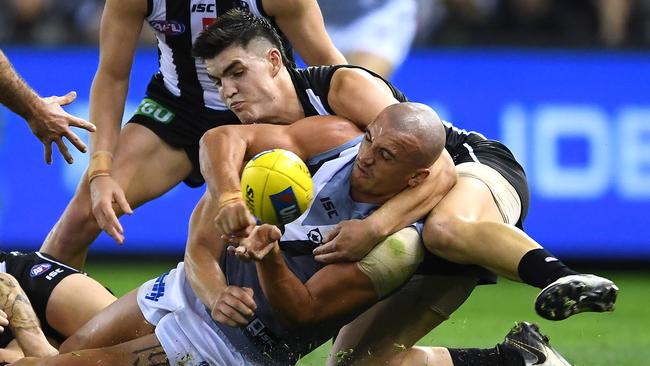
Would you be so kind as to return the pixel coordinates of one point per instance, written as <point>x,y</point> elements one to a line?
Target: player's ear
<point>275,58</point>
<point>418,177</point>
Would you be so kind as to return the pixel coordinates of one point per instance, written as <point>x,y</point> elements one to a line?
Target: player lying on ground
<point>284,303</point>
<point>479,221</point>
<point>53,290</point>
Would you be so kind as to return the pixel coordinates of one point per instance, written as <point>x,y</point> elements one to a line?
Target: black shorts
<point>38,274</point>
<point>179,123</point>
<point>498,157</point>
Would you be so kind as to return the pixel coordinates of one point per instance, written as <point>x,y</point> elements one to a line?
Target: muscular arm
<point>414,203</point>
<point>14,92</point>
<point>47,120</point>
<point>202,253</point>
<point>120,28</point>
<point>224,149</point>
<point>360,97</point>
<point>302,22</point>
<point>23,322</point>
<point>334,290</point>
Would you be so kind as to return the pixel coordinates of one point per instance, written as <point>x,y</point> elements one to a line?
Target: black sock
<point>540,268</point>
<point>501,355</point>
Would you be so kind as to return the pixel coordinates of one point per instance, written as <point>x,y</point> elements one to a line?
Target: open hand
<point>257,245</point>
<point>350,241</point>
<point>50,123</point>
<point>103,192</point>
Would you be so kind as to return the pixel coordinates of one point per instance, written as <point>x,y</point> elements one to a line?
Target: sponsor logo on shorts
<point>39,269</point>
<point>152,109</point>
<point>285,205</point>
<point>168,27</point>
<point>54,273</point>
<point>158,289</point>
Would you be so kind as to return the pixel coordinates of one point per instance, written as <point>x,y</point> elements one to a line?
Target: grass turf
<point>612,339</point>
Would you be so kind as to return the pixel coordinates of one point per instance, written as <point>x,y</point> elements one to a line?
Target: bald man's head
<point>420,122</point>
<point>398,149</point>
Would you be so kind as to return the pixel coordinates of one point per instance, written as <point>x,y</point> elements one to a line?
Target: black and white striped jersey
<point>312,86</point>
<point>176,24</point>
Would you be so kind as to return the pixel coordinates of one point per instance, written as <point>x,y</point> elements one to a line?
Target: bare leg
<point>467,227</point>
<point>143,351</point>
<point>120,322</point>
<point>394,324</point>
<point>67,311</point>
<point>423,356</point>
<point>22,319</point>
<point>144,166</point>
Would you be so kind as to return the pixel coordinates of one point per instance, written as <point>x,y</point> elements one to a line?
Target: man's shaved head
<point>423,124</point>
<point>398,149</point>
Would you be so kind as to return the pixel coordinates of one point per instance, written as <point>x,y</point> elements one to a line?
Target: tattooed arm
<point>23,322</point>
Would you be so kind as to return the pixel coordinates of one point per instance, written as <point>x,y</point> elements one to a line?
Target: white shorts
<point>184,328</point>
<point>387,31</point>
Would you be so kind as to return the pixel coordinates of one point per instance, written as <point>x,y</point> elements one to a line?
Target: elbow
<point>298,317</point>
<point>212,136</point>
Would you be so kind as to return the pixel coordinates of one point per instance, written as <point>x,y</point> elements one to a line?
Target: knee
<point>441,233</point>
<point>75,342</point>
<point>79,213</point>
<point>424,356</point>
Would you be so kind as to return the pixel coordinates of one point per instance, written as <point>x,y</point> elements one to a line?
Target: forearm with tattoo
<point>151,356</point>
<point>23,322</point>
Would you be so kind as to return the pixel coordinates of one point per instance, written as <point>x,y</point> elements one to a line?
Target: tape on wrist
<point>100,164</point>
<point>227,198</point>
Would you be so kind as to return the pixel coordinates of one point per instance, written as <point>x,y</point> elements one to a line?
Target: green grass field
<point>612,339</point>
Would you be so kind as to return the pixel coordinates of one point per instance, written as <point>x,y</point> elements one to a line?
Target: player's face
<point>245,82</point>
<point>382,167</point>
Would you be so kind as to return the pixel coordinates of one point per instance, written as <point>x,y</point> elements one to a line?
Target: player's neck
<point>286,107</point>
<point>363,197</point>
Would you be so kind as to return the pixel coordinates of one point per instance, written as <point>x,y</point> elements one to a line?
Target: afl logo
<point>39,269</point>
<point>168,27</point>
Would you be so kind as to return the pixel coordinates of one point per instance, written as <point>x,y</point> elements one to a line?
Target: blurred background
<point>564,83</point>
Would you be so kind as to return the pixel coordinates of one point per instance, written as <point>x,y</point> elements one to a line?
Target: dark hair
<point>235,27</point>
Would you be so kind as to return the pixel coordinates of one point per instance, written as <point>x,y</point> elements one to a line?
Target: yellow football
<point>276,186</point>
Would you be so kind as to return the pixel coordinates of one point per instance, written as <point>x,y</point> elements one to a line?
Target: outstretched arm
<point>302,22</point>
<point>47,120</point>
<point>357,95</point>
<point>230,305</point>
<point>336,289</point>
<point>224,149</point>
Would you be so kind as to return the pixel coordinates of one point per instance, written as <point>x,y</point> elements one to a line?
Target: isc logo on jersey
<point>276,186</point>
